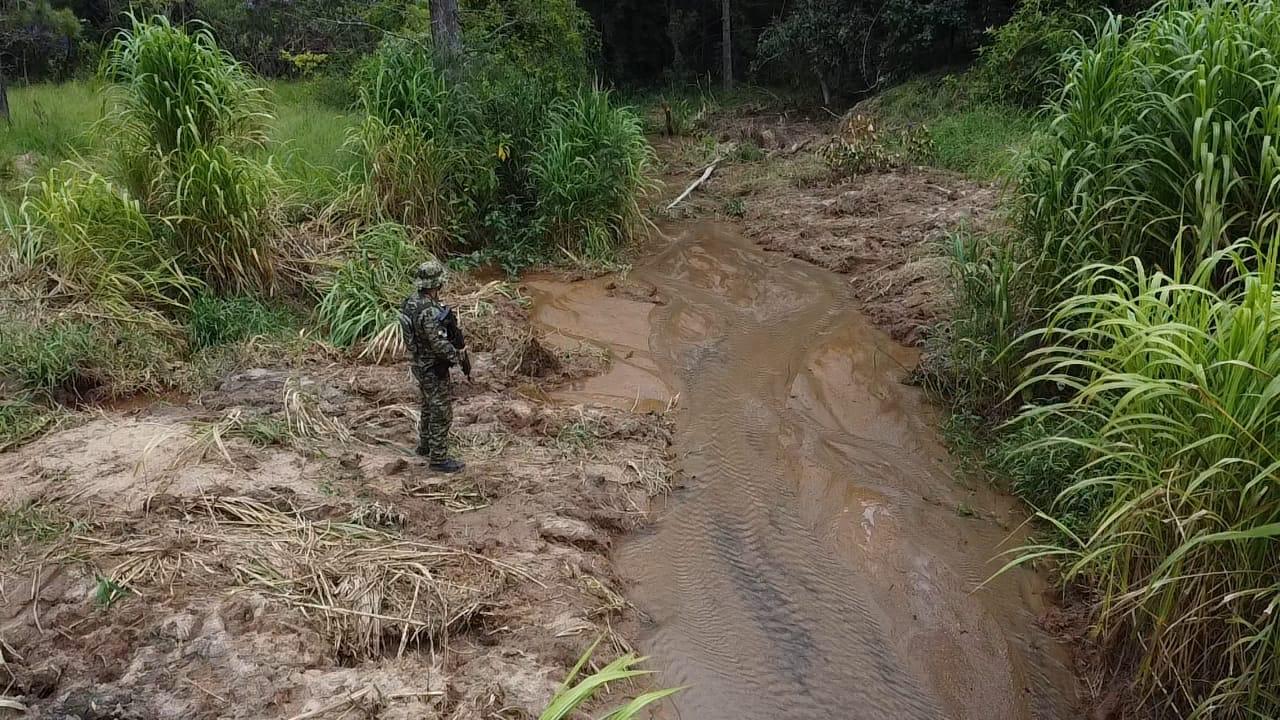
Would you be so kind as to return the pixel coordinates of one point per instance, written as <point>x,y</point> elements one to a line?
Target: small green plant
<point>29,522</point>
<point>858,148</point>
<point>581,434</point>
<point>21,420</point>
<point>589,171</point>
<point>735,207</point>
<point>216,320</point>
<point>363,296</point>
<point>51,358</point>
<point>107,592</point>
<point>747,151</point>
<point>573,693</point>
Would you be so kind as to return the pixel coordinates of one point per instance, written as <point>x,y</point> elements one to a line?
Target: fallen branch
<point>705,174</point>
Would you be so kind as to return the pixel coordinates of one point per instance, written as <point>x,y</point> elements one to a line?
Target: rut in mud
<point>822,562</point>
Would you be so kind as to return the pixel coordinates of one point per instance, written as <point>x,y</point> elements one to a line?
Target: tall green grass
<point>490,159</point>
<point>362,298</point>
<point>99,245</point>
<point>591,166</point>
<point>186,121</point>
<point>1173,393</point>
<point>1131,317</point>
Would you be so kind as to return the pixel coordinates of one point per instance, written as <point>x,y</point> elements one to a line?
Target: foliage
<point>821,39</point>
<point>20,421</point>
<point>487,158</point>
<point>1176,379</point>
<point>218,320</point>
<point>553,39</point>
<point>966,131</point>
<point>96,242</point>
<point>38,39</point>
<point>64,356</point>
<point>187,114</point>
<point>975,357</point>
<point>590,167</point>
<point>859,147</point>
<point>571,696</point>
<point>427,162</point>
<point>363,296</point>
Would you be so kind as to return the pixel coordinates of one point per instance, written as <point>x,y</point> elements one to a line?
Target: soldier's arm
<point>436,337</point>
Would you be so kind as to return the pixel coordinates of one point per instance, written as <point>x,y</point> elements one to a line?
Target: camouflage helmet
<point>430,275</point>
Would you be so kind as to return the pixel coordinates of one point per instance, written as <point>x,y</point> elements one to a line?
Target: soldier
<point>436,344</point>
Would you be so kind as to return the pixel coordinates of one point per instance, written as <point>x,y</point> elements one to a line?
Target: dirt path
<point>822,561</point>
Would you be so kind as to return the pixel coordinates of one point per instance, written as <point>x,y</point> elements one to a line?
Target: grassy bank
<point>54,123</point>
<point>1117,346</point>
<point>971,134</point>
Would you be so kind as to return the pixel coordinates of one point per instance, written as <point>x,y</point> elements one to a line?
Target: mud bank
<point>823,561</point>
<point>886,231</point>
<point>273,548</point>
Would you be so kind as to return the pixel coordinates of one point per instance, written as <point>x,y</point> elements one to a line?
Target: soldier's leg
<point>424,418</point>
<point>437,406</point>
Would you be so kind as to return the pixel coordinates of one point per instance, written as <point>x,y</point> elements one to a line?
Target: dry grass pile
<point>366,590</point>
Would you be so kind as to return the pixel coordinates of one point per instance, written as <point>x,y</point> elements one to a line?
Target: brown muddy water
<point>823,560</point>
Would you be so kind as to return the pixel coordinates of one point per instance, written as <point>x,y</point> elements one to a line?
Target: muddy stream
<point>823,560</point>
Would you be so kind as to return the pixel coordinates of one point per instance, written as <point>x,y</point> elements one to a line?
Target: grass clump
<point>362,298</point>
<point>186,121</point>
<point>22,420</point>
<point>1173,403</point>
<point>216,320</point>
<point>587,175</point>
<point>1128,320</point>
<point>95,241</point>
<point>493,161</point>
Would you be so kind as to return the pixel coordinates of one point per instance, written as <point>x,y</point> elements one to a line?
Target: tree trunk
<point>826,89</point>
<point>4,99</point>
<point>446,31</point>
<point>726,45</point>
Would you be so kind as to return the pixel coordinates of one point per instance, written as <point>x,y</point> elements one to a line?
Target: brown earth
<point>273,548</point>
<point>885,230</point>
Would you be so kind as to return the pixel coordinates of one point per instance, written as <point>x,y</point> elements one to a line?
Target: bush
<point>428,163</point>
<point>67,357</point>
<point>591,166</point>
<point>223,320</point>
<point>1177,381</point>
<point>471,158</point>
<point>1162,143</point>
<point>362,298</point>
<point>187,116</point>
<point>1135,314</point>
<point>96,242</point>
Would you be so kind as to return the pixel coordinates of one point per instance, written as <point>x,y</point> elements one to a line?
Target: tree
<point>446,30</point>
<point>726,45</point>
<point>4,99</point>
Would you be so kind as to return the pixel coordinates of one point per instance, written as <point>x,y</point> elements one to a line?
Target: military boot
<point>448,465</point>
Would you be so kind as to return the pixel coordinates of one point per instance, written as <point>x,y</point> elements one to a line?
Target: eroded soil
<point>823,561</point>
<point>886,231</point>
<point>274,549</point>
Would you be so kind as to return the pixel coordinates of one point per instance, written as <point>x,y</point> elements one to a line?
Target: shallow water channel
<point>822,560</point>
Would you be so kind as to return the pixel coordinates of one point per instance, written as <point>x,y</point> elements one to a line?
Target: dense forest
<point>841,48</point>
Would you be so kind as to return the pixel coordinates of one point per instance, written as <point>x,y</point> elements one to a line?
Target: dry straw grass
<point>367,591</point>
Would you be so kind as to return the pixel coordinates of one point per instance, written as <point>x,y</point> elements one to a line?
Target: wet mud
<point>822,561</point>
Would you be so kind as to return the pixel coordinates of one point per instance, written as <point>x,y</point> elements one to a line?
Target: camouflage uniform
<point>432,356</point>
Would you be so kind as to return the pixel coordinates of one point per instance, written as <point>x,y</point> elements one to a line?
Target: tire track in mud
<point>816,565</point>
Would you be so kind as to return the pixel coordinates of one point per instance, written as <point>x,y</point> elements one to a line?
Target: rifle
<point>449,321</point>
